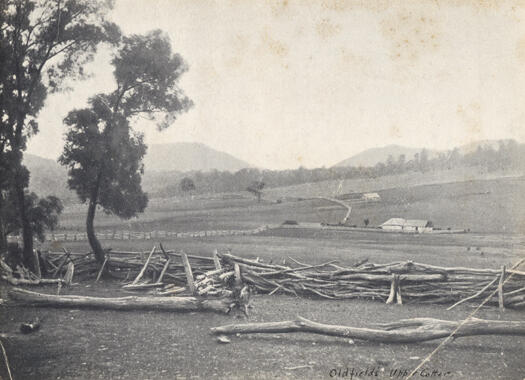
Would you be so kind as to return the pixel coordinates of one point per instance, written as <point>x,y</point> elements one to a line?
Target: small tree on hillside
<point>187,185</point>
<point>102,152</point>
<point>256,189</point>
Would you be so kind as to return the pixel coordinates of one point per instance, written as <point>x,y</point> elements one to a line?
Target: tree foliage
<point>256,188</point>
<point>105,160</point>
<point>43,215</point>
<point>43,45</point>
<point>102,153</point>
<point>187,185</point>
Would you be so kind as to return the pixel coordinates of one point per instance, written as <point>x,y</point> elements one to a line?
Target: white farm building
<point>374,197</point>
<point>407,225</point>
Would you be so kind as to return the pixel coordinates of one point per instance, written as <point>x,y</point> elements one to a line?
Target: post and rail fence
<point>141,235</point>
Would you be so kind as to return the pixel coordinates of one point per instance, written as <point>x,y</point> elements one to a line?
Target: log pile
<point>394,282</point>
<point>128,265</point>
<point>161,272</point>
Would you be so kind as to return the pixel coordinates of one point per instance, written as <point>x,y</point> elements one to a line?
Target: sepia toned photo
<point>266,189</point>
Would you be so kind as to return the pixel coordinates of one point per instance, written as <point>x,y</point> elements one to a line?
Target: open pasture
<point>112,344</point>
<point>484,206</point>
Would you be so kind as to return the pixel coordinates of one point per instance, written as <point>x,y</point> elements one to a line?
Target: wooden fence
<point>136,235</point>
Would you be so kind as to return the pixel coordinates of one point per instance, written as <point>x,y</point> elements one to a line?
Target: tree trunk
<point>90,230</point>
<point>27,231</point>
<point>3,236</point>
<point>3,229</point>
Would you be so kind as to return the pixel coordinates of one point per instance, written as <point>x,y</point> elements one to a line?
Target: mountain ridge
<point>190,156</point>
<point>372,156</point>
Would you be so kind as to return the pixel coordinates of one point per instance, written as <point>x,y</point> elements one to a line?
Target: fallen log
<point>178,304</point>
<point>387,278</point>
<point>143,286</point>
<point>410,330</point>
<point>24,281</point>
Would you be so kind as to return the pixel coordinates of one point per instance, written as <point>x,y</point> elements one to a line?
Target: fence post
<point>189,273</point>
<point>500,289</point>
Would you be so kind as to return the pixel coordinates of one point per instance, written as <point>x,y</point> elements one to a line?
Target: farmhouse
<point>393,224</point>
<point>407,225</point>
<point>371,197</point>
<point>417,225</point>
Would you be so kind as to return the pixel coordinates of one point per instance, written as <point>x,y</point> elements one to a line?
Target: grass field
<point>404,180</point>
<point>157,345</point>
<point>494,206</point>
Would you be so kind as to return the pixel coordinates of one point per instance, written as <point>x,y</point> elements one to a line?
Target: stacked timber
<point>397,282</point>
<point>162,272</point>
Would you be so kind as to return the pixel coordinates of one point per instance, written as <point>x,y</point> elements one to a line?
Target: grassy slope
<point>409,179</point>
<point>494,205</point>
<point>484,206</point>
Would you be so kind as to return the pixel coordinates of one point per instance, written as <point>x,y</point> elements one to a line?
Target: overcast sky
<point>291,83</point>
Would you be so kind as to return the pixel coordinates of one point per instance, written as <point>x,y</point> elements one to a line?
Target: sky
<point>283,84</point>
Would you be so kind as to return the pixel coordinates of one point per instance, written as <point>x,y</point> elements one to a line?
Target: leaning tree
<point>43,45</point>
<point>103,153</point>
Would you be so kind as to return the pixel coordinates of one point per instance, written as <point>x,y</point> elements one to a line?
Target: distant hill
<point>167,164</point>
<point>373,156</point>
<point>37,163</point>
<point>184,157</point>
<point>48,177</point>
<point>163,163</point>
<point>473,146</point>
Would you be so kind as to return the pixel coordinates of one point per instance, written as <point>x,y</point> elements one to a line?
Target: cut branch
<point>475,295</point>
<point>141,273</point>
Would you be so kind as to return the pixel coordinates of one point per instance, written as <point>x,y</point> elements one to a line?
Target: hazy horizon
<point>306,83</point>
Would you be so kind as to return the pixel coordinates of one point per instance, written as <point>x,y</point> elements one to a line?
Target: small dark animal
<point>30,327</point>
